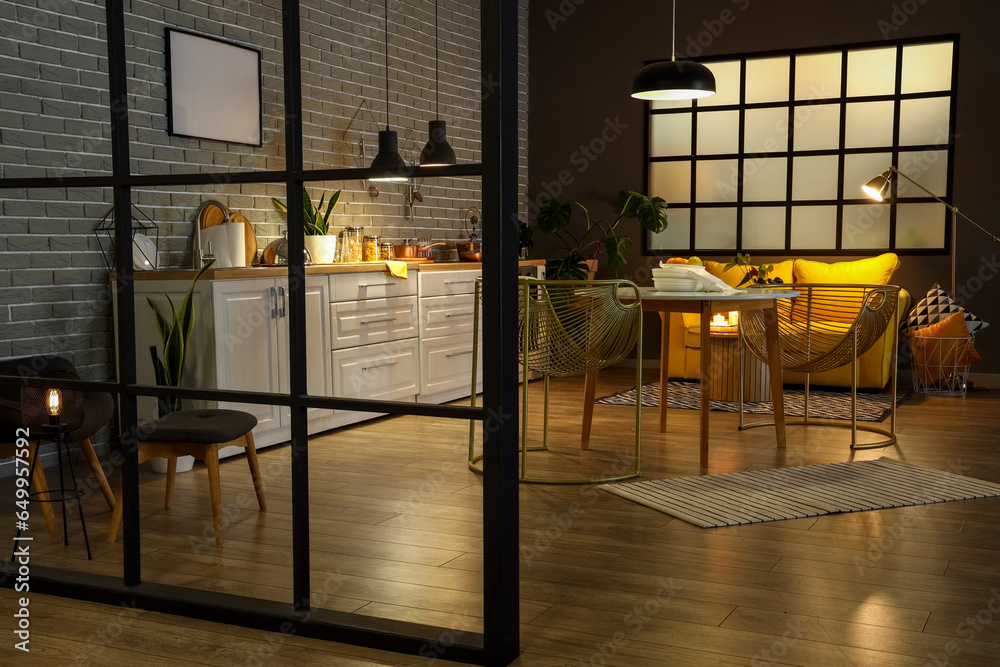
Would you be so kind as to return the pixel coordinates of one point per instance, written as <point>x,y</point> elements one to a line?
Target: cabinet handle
<point>459,282</point>
<point>365,286</point>
<point>273,292</point>
<point>459,314</point>
<point>281,301</point>
<point>457,354</point>
<point>384,319</point>
<point>388,363</point>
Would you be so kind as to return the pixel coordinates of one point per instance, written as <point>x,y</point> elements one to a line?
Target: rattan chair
<point>569,328</point>
<point>828,326</point>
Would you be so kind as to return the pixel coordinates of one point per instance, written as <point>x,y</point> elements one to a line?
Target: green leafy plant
<point>174,332</point>
<point>598,236</point>
<point>314,220</point>
<point>751,274</point>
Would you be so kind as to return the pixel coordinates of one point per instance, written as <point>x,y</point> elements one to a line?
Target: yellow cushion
<point>941,349</point>
<point>733,276</point>
<point>871,271</point>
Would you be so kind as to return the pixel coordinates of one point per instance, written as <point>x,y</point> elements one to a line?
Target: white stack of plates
<point>677,278</point>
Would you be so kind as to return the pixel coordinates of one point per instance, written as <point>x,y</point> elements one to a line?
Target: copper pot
<point>470,251</point>
<point>408,251</point>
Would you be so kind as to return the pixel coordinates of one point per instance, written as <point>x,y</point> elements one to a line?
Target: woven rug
<point>823,404</point>
<point>737,498</point>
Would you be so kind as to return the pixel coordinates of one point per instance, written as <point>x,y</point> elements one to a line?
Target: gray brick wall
<point>54,121</point>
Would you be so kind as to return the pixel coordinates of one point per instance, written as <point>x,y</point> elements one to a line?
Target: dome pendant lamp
<point>437,152</point>
<point>673,79</point>
<point>388,159</point>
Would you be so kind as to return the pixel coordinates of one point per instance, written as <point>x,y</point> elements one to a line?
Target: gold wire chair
<point>566,328</point>
<point>828,326</point>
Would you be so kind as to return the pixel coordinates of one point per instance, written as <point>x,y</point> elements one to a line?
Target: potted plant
<point>319,242</point>
<point>598,236</point>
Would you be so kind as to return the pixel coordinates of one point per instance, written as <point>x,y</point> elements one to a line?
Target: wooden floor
<point>397,533</point>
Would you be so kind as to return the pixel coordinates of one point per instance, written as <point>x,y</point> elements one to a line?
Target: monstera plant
<point>597,236</point>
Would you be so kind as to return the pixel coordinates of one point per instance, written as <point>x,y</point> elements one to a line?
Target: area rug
<point>737,498</point>
<point>823,404</point>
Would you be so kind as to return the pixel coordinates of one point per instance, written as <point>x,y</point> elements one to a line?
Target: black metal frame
<point>498,644</point>
<point>840,201</point>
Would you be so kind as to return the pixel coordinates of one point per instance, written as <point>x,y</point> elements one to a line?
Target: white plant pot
<point>322,249</point>
<point>159,464</point>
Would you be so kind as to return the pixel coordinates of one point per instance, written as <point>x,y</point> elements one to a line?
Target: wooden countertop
<point>313,269</point>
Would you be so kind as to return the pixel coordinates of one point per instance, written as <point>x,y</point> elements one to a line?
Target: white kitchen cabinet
<point>447,315</point>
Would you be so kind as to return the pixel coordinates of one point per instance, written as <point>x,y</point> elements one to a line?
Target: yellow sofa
<point>874,366</point>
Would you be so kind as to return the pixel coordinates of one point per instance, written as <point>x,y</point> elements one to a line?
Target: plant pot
<point>322,249</point>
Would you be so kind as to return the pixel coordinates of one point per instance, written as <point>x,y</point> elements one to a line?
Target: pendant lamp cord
<point>673,36</point>
<point>437,63</point>
<point>386,7</point>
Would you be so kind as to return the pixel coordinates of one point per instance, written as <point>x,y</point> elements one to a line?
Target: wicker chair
<point>568,328</point>
<point>828,326</point>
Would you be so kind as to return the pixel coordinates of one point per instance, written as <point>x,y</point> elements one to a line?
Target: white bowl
<point>676,270</point>
<point>677,285</point>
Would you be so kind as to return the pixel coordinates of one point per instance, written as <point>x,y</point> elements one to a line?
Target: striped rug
<point>737,498</point>
<point>823,404</point>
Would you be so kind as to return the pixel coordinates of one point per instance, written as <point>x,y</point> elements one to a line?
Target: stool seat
<point>208,426</point>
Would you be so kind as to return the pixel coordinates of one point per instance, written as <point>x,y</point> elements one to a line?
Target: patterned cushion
<point>936,306</point>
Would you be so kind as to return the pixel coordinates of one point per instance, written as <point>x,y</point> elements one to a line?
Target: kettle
<point>276,252</point>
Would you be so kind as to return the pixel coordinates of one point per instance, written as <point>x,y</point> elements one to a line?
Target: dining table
<point>705,304</point>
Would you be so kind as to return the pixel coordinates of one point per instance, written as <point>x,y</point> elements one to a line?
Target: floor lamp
<point>879,187</point>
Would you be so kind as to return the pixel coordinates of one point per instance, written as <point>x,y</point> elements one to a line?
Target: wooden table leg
<point>664,367</point>
<point>706,376</point>
<point>589,393</point>
<point>774,366</point>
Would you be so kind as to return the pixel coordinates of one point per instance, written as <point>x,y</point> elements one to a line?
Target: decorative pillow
<point>871,271</point>
<point>734,275</point>
<point>934,307</point>
<point>941,349</point>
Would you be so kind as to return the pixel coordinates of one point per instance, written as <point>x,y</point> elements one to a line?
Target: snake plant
<point>314,220</point>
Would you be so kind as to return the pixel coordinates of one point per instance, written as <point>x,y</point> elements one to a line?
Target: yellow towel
<point>395,268</point>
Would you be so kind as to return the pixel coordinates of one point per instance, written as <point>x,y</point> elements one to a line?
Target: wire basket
<point>940,366</point>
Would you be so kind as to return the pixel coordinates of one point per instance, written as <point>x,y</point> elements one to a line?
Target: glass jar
<point>385,251</point>
<point>370,249</point>
<point>351,245</point>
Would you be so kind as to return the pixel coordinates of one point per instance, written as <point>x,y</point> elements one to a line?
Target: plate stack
<point>677,278</point>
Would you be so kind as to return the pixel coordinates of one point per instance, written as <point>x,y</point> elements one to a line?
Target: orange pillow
<point>943,348</point>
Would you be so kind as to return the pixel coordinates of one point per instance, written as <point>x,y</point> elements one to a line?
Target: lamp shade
<point>673,80</point>
<point>437,152</point>
<point>387,159</point>
<point>878,187</point>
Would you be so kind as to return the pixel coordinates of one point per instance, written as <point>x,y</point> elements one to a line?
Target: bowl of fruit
<point>678,275</point>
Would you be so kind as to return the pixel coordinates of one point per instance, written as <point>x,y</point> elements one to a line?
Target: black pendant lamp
<point>437,152</point>
<point>388,159</point>
<point>673,79</point>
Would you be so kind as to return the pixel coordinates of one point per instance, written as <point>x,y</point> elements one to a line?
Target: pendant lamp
<point>388,159</point>
<point>673,79</point>
<point>437,152</point>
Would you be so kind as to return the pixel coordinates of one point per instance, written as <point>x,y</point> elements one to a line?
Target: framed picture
<point>213,89</point>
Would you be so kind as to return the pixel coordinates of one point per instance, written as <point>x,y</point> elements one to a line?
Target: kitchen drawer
<point>386,371</point>
<point>442,283</point>
<point>446,363</point>
<point>370,285</point>
<point>446,315</point>
<point>372,321</point>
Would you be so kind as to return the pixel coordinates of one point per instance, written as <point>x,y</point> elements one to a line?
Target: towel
<point>395,268</point>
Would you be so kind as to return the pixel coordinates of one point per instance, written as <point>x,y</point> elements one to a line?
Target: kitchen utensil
<point>412,250</point>
<point>212,213</point>
<point>276,252</point>
<point>143,253</point>
<point>472,256</point>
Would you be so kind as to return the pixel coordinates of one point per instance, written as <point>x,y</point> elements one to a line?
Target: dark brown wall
<point>585,52</point>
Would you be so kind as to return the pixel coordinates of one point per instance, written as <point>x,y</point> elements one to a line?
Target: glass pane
<point>716,180</point>
<point>670,104</point>
<point>866,227</point>
<point>868,124</point>
<point>817,76</point>
<point>670,135</point>
<point>727,84</point>
<point>814,227</point>
<point>764,227</point>
<point>815,177</point>
<point>817,127</point>
<point>670,180</point>
<point>859,169</point>
<point>766,131</point>
<point>718,132</point>
<point>764,180</point>
<point>921,225</point>
<point>715,228</point>
<point>871,72</point>
<point>924,121</point>
<point>677,235</point>
<point>928,168</point>
<point>767,80</point>
<point>927,67</point>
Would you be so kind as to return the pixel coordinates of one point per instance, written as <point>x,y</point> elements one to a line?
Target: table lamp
<point>880,186</point>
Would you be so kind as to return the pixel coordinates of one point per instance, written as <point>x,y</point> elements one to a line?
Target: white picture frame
<point>213,89</point>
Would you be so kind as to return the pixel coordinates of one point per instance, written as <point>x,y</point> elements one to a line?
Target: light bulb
<point>53,404</point>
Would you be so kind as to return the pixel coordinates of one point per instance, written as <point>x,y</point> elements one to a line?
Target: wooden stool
<point>197,433</point>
